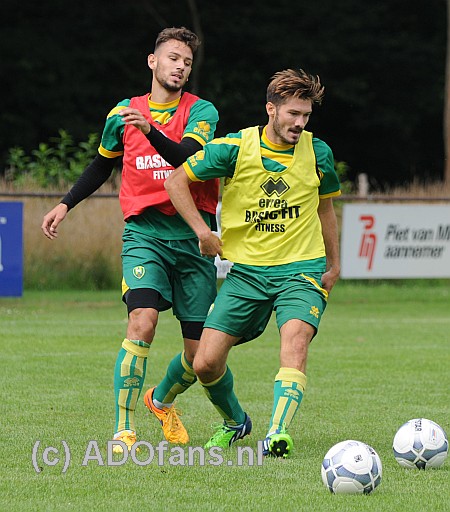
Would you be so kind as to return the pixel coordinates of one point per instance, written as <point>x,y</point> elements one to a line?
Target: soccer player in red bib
<point>280,231</point>
<point>162,265</point>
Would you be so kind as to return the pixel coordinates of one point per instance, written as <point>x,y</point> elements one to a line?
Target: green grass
<point>381,358</point>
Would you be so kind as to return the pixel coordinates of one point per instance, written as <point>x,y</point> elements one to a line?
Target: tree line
<point>64,66</point>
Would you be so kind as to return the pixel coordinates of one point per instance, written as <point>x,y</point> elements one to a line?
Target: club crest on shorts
<point>138,272</point>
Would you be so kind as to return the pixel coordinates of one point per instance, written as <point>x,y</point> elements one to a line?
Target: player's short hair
<point>294,83</point>
<point>180,34</point>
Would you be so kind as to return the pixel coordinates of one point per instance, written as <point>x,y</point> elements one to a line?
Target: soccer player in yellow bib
<point>279,229</point>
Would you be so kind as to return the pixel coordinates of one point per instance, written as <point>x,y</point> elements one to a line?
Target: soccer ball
<point>351,467</point>
<point>420,443</point>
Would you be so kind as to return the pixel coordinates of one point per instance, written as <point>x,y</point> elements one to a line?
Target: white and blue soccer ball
<point>420,443</point>
<point>351,467</point>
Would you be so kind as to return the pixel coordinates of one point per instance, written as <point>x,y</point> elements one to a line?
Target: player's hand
<point>329,279</point>
<point>52,220</point>
<point>135,118</point>
<point>210,245</point>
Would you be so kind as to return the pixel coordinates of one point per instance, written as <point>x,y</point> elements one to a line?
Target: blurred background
<point>65,65</point>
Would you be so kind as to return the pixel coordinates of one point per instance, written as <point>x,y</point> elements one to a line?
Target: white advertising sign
<point>395,241</point>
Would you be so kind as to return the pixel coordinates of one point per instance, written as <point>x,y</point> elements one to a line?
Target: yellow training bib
<point>270,218</point>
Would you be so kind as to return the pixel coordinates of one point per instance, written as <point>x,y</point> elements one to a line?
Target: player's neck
<point>270,137</point>
<point>162,95</point>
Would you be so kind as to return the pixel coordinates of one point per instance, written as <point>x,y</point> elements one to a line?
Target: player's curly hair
<point>293,83</point>
<point>180,34</point>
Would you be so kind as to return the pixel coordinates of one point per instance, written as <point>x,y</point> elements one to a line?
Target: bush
<point>342,170</point>
<point>55,164</point>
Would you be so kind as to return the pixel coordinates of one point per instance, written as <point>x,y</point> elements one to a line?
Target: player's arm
<point>203,114</point>
<point>330,235</point>
<point>329,188</point>
<point>173,152</point>
<point>329,181</point>
<point>177,186</point>
<point>93,177</point>
<point>95,174</point>
<point>216,160</point>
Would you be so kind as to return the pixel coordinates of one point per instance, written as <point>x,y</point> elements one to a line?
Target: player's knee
<point>206,370</point>
<point>142,324</point>
<point>189,352</point>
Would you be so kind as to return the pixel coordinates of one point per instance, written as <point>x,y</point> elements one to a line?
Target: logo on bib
<point>278,187</point>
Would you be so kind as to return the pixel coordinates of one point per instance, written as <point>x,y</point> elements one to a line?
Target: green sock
<point>179,377</point>
<point>129,375</point>
<point>288,392</point>
<point>221,394</point>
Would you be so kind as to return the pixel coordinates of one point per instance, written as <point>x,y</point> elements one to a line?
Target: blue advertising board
<point>11,249</point>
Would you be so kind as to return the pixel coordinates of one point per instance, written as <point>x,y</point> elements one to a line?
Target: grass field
<point>381,358</point>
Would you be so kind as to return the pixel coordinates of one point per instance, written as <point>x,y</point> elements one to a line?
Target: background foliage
<point>65,66</point>
<point>56,164</point>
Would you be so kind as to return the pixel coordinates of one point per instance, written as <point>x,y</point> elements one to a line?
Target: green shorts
<point>245,302</point>
<point>186,281</point>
